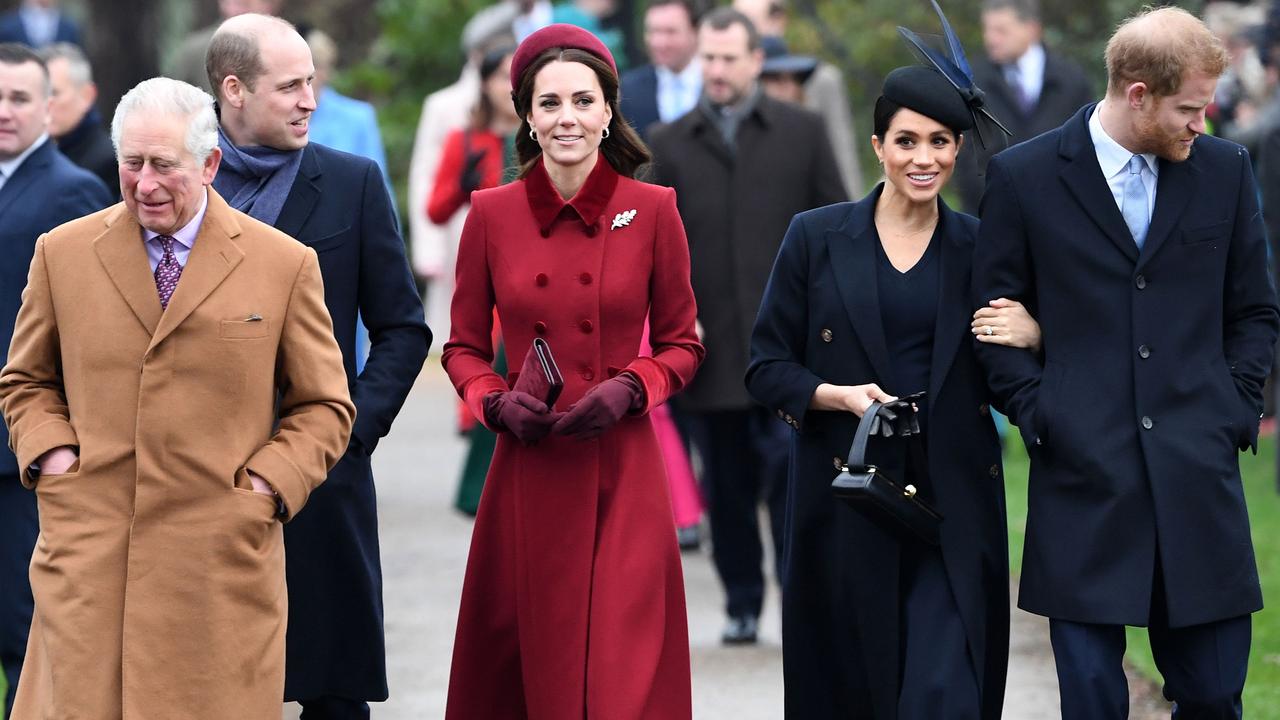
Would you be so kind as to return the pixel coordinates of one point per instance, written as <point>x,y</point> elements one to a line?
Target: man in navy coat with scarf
<point>1139,246</point>
<point>336,203</point>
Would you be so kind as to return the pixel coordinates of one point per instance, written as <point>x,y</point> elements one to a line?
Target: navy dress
<point>863,608</point>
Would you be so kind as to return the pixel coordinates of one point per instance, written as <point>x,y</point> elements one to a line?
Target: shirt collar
<point>186,236</point>
<point>587,204</point>
<point>690,76</point>
<point>1031,64</point>
<point>9,167</point>
<point>1112,157</point>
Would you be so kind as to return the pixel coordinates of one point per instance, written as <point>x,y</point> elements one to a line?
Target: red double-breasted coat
<point>573,604</point>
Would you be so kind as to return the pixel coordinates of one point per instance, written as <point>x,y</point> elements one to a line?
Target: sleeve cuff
<point>42,439</point>
<point>283,476</point>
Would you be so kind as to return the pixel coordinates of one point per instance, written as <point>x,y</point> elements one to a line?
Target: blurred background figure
<point>74,122</point>
<point>478,156</point>
<point>825,92</point>
<point>670,85</point>
<point>448,109</point>
<point>38,23</point>
<point>784,75</point>
<point>592,15</point>
<point>187,62</point>
<point>742,165</point>
<point>1030,88</point>
<point>341,122</point>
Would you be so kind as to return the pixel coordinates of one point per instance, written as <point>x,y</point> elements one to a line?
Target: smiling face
<point>24,107</point>
<point>1168,126</point>
<point>918,153</point>
<point>160,180</point>
<point>569,113</point>
<point>276,113</point>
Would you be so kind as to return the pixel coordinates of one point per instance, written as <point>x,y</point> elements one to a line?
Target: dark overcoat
<point>639,98</point>
<point>1066,89</point>
<point>1150,380</point>
<point>736,205</point>
<point>820,322</point>
<point>339,207</point>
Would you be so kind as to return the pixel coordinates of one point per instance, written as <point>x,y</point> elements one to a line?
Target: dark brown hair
<point>624,149</point>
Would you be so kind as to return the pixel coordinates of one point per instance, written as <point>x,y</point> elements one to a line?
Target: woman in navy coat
<point>870,301</point>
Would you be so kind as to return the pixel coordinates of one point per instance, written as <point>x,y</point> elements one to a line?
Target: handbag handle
<point>858,451</point>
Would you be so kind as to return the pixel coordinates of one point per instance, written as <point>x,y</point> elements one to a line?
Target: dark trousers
<point>330,707</point>
<point>744,456</point>
<point>937,669</point>
<point>19,526</point>
<point>1203,665</point>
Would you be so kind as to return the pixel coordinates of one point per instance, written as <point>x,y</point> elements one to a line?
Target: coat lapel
<point>123,255</point>
<point>212,259</point>
<point>853,262</point>
<point>1083,177</point>
<point>952,323</point>
<point>25,176</point>
<point>302,196</point>
<point>1173,193</point>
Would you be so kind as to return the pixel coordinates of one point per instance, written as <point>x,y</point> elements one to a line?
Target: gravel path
<point>424,548</point>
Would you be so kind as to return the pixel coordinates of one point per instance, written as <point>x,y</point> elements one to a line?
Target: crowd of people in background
<point>752,136</point>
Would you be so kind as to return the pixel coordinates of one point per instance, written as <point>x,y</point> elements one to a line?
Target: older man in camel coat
<point>173,393</point>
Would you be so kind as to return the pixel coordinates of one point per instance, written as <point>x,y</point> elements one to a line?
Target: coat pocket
<point>244,329</point>
<point>1205,233</point>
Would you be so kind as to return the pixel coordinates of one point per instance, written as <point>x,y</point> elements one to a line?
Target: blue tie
<point>1134,203</point>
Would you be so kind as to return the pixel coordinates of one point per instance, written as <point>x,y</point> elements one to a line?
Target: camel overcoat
<point>159,575</point>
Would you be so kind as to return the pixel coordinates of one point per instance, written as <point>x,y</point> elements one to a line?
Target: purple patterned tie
<point>167,271</point>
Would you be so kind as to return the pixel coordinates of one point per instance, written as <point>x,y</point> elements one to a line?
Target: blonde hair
<point>1159,47</point>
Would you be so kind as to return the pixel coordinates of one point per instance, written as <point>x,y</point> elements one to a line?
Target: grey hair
<point>161,95</point>
<point>78,66</point>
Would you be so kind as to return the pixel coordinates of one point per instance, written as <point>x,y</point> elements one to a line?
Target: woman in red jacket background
<point>573,603</point>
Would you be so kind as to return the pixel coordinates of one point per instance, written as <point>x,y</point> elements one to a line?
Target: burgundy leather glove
<point>602,407</point>
<point>520,414</point>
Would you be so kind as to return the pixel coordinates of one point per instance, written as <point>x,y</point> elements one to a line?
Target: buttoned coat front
<point>573,604</point>
<point>159,574</point>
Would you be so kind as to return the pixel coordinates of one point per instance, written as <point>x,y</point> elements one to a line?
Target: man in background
<point>37,23</point>
<point>39,190</point>
<point>337,204</point>
<point>1029,88</point>
<point>74,122</point>
<point>341,122</point>
<point>187,62</point>
<point>670,85</point>
<point>742,165</point>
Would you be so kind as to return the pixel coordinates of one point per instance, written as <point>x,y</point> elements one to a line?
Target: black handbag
<point>872,492</point>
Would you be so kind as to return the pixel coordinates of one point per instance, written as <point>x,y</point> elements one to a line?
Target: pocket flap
<point>244,329</point>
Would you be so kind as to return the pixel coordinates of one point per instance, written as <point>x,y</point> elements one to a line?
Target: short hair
<point>1025,10</point>
<point>695,8</point>
<point>19,54</point>
<point>723,18</point>
<point>1162,55</point>
<point>166,96</point>
<point>78,66</point>
<point>235,51</point>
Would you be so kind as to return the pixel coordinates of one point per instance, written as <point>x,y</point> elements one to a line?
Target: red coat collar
<point>587,204</point>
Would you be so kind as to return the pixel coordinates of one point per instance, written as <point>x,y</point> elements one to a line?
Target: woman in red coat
<point>573,604</point>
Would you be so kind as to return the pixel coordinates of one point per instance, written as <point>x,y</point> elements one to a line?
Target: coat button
<point>545,232</point>
<point>1140,282</point>
<point>586,326</point>
<point>1144,352</point>
<point>1146,423</point>
<point>585,278</point>
<point>994,471</point>
<point>541,279</point>
<point>540,328</point>
<point>588,373</point>
<point>984,410</point>
<point>826,335</point>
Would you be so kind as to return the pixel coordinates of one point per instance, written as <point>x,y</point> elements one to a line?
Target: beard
<point>1162,143</point>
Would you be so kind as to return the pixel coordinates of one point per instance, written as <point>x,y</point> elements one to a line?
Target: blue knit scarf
<point>256,179</point>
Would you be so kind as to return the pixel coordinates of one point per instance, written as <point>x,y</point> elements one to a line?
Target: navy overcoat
<point>1150,380</point>
<point>339,206</point>
<point>820,322</point>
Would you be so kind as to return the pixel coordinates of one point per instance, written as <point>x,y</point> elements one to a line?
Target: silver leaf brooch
<point>622,219</point>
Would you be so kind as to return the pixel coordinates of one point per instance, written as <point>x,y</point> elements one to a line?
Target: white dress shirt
<point>1028,72</point>
<point>1114,161</point>
<point>184,239</point>
<point>678,93</point>
<point>9,167</point>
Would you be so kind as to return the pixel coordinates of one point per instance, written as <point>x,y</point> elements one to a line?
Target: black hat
<point>778,61</point>
<point>929,93</point>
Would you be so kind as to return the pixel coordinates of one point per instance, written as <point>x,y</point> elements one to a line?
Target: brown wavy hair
<point>623,149</point>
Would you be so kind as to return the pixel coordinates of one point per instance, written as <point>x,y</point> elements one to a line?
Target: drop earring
<point>533,135</point>
<point>604,134</point>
